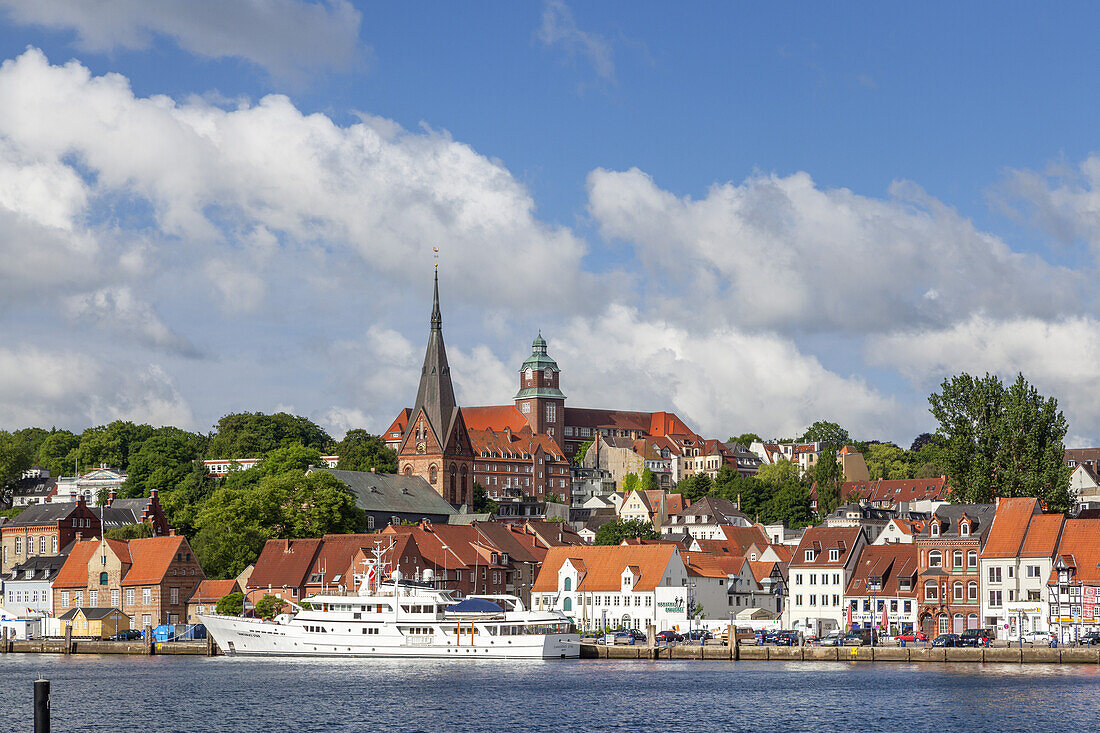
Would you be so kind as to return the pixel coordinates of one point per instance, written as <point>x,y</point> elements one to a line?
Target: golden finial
<point>436,255</point>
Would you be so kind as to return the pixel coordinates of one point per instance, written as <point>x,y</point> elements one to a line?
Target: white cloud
<point>116,309</point>
<point>782,253</point>
<point>1061,358</point>
<point>1063,201</point>
<point>69,388</point>
<point>287,37</point>
<point>559,28</point>
<point>367,199</point>
<point>723,382</point>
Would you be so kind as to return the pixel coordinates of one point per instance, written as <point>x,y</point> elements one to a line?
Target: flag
<point>885,617</point>
<point>372,574</point>
<point>849,616</point>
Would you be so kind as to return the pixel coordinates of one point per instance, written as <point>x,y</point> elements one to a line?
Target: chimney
<point>372,469</point>
<point>79,536</point>
<point>111,497</point>
<point>171,533</point>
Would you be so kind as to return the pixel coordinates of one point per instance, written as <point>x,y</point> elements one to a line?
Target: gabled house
<point>148,579</point>
<point>206,596</point>
<point>1072,585</point>
<point>1015,564</point>
<point>818,577</point>
<point>948,547</point>
<point>882,592</point>
<point>43,529</point>
<point>705,518</point>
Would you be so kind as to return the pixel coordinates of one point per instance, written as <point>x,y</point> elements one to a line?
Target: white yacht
<point>402,619</point>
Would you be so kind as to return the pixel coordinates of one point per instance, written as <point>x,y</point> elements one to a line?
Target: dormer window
<point>810,555</point>
<point>834,555</point>
<point>934,529</point>
<point>964,529</point>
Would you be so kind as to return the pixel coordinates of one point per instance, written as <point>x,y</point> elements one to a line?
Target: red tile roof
<point>823,539</point>
<point>895,490</point>
<point>522,444</point>
<point>739,539</point>
<point>1042,535</point>
<point>151,558</point>
<point>1010,520</point>
<point>398,425</point>
<point>605,565</point>
<point>888,562</point>
<point>707,565</point>
<point>495,417</point>
<point>212,591</point>
<point>1081,542</point>
<point>284,562</point>
<point>74,573</point>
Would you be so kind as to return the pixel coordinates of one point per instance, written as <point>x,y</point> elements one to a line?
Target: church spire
<point>436,395</point>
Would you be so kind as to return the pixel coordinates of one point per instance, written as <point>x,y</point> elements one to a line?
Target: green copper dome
<point>539,362</point>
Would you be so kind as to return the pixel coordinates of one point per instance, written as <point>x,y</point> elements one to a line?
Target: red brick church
<point>522,449</point>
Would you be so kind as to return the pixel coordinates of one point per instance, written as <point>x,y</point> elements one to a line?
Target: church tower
<point>539,399</point>
<point>435,445</point>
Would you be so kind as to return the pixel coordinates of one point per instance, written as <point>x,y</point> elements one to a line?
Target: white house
<point>628,585</point>
<point>28,592</point>
<point>882,592</point>
<point>89,485</point>
<point>898,532</point>
<point>1015,564</point>
<point>704,519</point>
<point>818,578</point>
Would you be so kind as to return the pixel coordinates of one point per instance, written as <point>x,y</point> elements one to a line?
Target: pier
<point>908,654</point>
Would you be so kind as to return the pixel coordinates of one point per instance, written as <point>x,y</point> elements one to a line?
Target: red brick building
<point>45,530</point>
<point>149,579</point>
<point>949,575</point>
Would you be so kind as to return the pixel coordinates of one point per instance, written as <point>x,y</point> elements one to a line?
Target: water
<point>231,694</point>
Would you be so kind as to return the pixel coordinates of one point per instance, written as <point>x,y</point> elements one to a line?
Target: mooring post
<point>68,639</point>
<point>4,648</point>
<point>41,706</point>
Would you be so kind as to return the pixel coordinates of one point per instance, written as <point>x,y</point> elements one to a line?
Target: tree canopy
<point>617,530</point>
<point>829,433</point>
<point>230,605</point>
<point>745,439</point>
<point>1001,440</point>
<point>252,434</point>
<point>361,451</point>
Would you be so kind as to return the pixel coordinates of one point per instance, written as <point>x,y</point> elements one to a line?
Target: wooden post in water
<point>4,648</point>
<point>68,639</point>
<point>41,706</point>
<point>148,639</point>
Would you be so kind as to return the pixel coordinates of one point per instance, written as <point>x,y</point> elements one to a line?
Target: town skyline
<point>266,242</point>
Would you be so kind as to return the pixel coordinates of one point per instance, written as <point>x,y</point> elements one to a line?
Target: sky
<point>754,216</point>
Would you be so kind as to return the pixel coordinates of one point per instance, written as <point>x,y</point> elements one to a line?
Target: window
<point>957,559</point>
<point>174,596</point>
<point>114,597</point>
<point>93,598</point>
<point>972,559</point>
<point>958,591</point>
<point>834,555</point>
<point>103,578</point>
<point>18,546</point>
<point>972,591</point>
<point>931,590</point>
<point>146,620</point>
<point>836,578</point>
<point>78,598</point>
<point>798,579</point>
<point>146,596</point>
<point>551,413</point>
<point>934,529</point>
<point>908,606</point>
<point>370,522</point>
<point>53,544</point>
<point>944,623</point>
<point>41,545</point>
<point>567,604</point>
<point>935,558</point>
<point>129,596</point>
<point>994,599</point>
<point>809,553</point>
<point>798,600</point>
<point>568,584</point>
<point>1033,571</point>
<point>964,529</point>
<point>526,408</point>
<point>64,597</point>
<point>994,575</point>
<point>813,579</point>
<point>1011,570</point>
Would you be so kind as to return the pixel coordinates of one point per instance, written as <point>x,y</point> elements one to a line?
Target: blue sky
<point>755,216</point>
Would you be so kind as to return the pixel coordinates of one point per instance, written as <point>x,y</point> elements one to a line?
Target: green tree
<point>827,478</point>
<point>829,433</point>
<point>790,504</point>
<point>885,460</point>
<point>269,606</point>
<point>182,502</point>
<point>648,481</point>
<point>239,517</point>
<point>109,444</point>
<point>253,434</point>
<point>617,530</point>
<point>745,439</point>
<point>695,487</point>
<point>749,493</point>
<point>1002,441</point>
<point>54,452</point>
<point>780,473</point>
<point>287,459</point>
<point>482,504</point>
<point>230,605</point>
<point>130,532</point>
<point>15,457</point>
<point>630,483</point>
<point>361,451</point>
<point>33,437</point>
<point>582,451</point>
<point>161,462</point>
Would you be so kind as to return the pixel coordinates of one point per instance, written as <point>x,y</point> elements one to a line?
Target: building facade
<point>818,577</point>
<point>949,576</point>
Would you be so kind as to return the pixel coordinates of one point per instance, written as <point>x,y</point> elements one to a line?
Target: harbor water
<point>153,694</point>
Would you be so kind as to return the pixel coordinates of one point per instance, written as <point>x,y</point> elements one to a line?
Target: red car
<point>911,636</point>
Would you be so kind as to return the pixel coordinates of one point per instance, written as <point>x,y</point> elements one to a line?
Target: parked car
<point>976,637</point>
<point>911,636</point>
<point>1037,637</point>
<point>785,638</point>
<point>1092,638</point>
<point>669,636</point>
<point>831,639</point>
<point>946,640</point>
<point>697,634</point>
<point>853,639</point>
<point>128,635</point>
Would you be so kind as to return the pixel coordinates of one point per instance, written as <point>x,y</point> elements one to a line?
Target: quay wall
<point>853,654</point>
